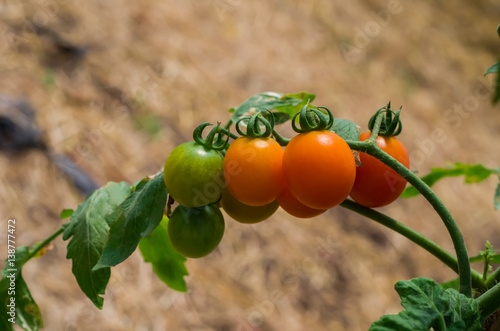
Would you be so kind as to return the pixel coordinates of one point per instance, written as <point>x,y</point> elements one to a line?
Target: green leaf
<point>474,173</point>
<point>493,69</point>
<point>428,305</point>
<point>346,129</point>
<point>283,103</point>
<point>88,230</point>
<point>27,313</point>
<point>65,213</point>
<point>167,263</point>
<point>136,217</point>
<point>496,199</point>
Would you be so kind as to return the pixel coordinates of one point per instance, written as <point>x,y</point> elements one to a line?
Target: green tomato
<point>196,232</point>
<point>193,175</point>
<point>244,213</point>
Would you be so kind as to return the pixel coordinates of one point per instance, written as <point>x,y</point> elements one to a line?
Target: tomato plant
<point>244,213</point>
<point>316,171</point>
<point>376,184</point>
<point>196,232</point>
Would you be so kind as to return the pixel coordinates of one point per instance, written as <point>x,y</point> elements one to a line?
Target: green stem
<point>427,244</point>
<point>493,278</point>
<point>370,147</point>
<point>486,267</point>
<point>229,133</point>
<point>38,247</point>
<point>280,139</point>
<point>489,301</point>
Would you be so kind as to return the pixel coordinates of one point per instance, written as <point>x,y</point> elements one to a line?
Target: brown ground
<point>186,62</point>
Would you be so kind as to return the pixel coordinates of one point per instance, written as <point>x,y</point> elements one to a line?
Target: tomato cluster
<point>255,176</point>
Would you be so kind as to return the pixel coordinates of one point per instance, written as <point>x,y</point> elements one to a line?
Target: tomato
<point>196,232</point>
<point>193,175</point>
<point>253,170</point>
<point>376,184</point>
<point>245,213</point>
<point>294,207</point>
<point>319,168</point>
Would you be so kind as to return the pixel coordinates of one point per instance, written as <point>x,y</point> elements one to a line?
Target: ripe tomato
<point>253,170</point>
<point>193,175</point>
<point>294,207</point>
<point>319,168</point>
<point>196,232</point>
<point>376,184</point>
<point>245,213</point>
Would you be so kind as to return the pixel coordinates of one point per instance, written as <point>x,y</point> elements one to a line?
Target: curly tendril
<point>211,142</point>
<point>253,125</point>
<point>391,124</point>
<point>312,119</point>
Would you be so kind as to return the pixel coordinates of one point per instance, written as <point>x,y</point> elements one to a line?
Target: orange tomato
<point>253,170</point>
<point>319,168</point>
<point>376,184</point>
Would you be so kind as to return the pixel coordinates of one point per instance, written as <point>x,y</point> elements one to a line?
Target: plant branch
<point>489,301</point>
<point>370,147</point>
<point>422,241</point>
<point>36,248</point>
<point>493,278</point>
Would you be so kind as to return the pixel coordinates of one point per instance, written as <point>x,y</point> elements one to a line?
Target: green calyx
<point>391,123</point>
<point>214,138</point>
<point>312,119</point>
<point>253,125</point>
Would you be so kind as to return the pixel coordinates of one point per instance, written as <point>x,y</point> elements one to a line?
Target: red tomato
<point>376,184</point>
<point>294,207</point>
<point>319,169</point>
<point>253,170</point>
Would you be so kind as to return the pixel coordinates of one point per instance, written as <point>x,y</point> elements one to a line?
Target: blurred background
<point>114,86</point>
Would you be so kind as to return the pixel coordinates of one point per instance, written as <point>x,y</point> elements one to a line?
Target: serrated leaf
<point>428,305</point>
<point>27,313</point>
<point>167,263</point>
<point>135,218</point>
<point>283,103</point>
<point>346,129</point>
<point>65,213</point>
<point>493,69</point>
<point>88,230</point>
<point>473,173</point>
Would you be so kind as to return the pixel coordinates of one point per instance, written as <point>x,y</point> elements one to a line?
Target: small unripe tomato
<point>196,232</point>
<point>193,175</point>
<point>253,170</point>
<point>377,184</point>
<point>319,168</point>
<point>243,213</point>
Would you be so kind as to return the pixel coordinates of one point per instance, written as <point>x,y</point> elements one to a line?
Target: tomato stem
<point>464,270</point>
<point>38,247</point>
<point>493,278</point>
<point>280,139</point>
<point>417,238</point>
<point>488,301</point>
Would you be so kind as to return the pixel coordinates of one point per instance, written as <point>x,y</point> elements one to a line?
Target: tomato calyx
<point>312,119</point>
<point>214,140</point>
<point>391,124</point>
<point>253,125</point>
